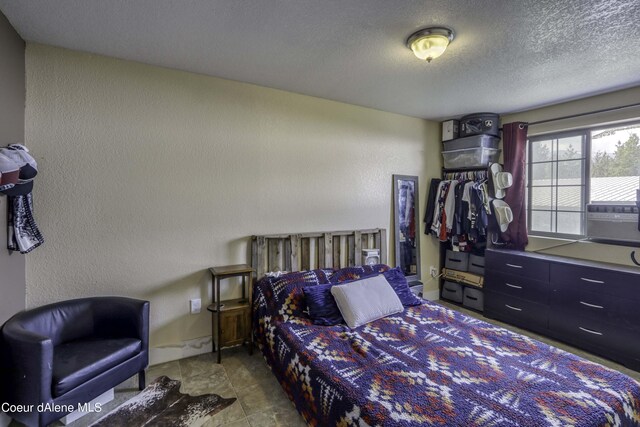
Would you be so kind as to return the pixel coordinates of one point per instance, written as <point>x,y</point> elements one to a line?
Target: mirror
<point>407,230</point>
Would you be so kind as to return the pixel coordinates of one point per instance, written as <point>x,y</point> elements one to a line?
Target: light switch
<point>196,305</point>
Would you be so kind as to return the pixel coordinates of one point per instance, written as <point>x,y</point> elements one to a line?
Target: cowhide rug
<point>162,404</point>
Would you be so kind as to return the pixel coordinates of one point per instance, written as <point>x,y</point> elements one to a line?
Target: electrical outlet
<point>196,305</point>
<point>433,271</point>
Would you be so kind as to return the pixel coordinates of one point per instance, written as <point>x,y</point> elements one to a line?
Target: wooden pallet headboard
<point>306,251</point>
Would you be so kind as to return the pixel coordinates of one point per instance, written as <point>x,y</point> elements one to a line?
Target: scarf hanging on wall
<point>23,233</point>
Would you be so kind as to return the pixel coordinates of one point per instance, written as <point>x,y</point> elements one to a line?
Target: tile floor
<point>261,401</point>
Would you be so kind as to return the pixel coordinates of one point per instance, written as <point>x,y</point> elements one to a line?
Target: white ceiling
<point>508,55</point>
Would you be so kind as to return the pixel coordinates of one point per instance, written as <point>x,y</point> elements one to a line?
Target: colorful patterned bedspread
<point>428,366</point>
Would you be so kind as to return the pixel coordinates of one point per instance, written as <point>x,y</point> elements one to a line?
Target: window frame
<point>585,133</point>
<point>586,176</point>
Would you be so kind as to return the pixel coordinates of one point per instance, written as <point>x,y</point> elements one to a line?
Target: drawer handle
<point>513,286</point>
<point>472,298</point>
<point>591,305</point>
<point>514,265</point>
<point>450,290</point>
<point>589,331</point>
<point>477,265</point>
<point>513,308</point>
<point>591,280</point>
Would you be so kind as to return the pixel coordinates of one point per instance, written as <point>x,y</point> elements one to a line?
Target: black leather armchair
<point>70,352</point>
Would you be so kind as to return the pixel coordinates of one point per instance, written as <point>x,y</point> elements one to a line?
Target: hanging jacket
<point>450,204</point>
<point>431,203</point>
<point>459,211</point>
<point>438,209</point>
<point>478,197</point>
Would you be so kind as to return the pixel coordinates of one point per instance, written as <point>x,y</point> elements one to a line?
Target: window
<point>570,169</point>
<point>557,188</point>
<point>615,164</point>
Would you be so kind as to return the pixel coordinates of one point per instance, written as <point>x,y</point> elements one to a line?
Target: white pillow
<point>366,300</point>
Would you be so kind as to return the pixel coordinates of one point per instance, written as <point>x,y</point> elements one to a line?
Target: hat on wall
<point>27,169</point>
<point>502,213</point>
<point>500,180</point>
<point>9,172</point>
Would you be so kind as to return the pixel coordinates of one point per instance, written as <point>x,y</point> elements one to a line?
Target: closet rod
<point>588,113</point>
<point>483,168</point>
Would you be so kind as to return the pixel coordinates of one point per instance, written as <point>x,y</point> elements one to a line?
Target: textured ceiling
<point>508,55</point>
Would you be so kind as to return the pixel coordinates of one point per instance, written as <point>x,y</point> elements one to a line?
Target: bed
<point>427,365</point>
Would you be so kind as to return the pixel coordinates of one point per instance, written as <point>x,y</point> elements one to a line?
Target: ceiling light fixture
<point>431,42</point>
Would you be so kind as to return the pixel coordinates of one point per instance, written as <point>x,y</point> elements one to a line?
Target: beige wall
<point>583,250</point>
<point>12,268</point>
<point>148,176</point>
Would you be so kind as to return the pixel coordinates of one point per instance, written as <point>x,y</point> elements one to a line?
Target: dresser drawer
<point>596,280</point>
<point>519,312</point>
<point>517,286</point>
<point>582,330</point>
<point>609,338</point>
<point>517,263</point>
<point>621,312</point>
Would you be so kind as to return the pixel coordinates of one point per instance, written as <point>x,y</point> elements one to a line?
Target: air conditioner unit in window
<point>613,222</point>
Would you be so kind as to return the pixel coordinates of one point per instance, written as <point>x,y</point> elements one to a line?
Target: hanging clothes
<point>431,201</point>
<point>458,229</point>
<point>480,220</point>
<point>23,233</point>
<point>466,207</point>
<point>438,211</point>
<point>458,209</point>
<point>449,205</point>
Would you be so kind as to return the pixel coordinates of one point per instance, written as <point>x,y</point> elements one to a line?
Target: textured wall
<point>583,250</point>
<point>148,176</point>
<point>12,273</point>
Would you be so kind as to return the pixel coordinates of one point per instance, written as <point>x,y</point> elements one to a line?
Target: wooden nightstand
<point>231,319</point>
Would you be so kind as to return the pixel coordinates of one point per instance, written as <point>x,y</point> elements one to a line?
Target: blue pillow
<point>399,283</point>
<point>349,274</point>
<point>323,309</point>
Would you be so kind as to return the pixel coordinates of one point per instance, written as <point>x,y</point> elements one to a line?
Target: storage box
<point>476,264</point>
<point>457,260</point>
<point>474,141</point>
<point>480,123</point>
<point>450,130</point>
<point>470,158</point>
<point>473,298</point>
<point>463,277</point>
<point>452,291</point>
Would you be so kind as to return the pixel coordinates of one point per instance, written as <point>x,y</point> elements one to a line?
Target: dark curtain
<point>514,142</point>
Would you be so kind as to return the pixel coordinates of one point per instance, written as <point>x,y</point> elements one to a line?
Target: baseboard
<point>5,420</point>
<point>188,348</point>
<point>431,295</point>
